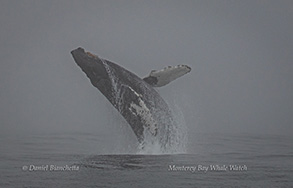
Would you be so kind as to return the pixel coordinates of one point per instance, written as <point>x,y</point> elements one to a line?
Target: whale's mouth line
<point>91,55</point>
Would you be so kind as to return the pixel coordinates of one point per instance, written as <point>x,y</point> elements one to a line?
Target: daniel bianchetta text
<point>50,168</point>
<point>206,168</point>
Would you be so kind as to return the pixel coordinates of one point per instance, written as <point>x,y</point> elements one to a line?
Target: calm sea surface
<point>211,160</point>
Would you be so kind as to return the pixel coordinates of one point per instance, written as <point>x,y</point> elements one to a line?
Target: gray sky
<point>241,54</point>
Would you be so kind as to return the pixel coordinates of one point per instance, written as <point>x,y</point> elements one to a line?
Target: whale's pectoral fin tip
<point>159,78</point>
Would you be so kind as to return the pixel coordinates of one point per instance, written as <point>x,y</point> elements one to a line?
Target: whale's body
<point>135,99</point>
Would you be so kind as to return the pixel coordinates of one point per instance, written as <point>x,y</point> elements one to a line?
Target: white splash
<point>177,135</point>
<point>178,138</point>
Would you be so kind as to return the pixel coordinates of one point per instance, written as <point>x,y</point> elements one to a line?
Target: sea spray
<point>178,130</point>
<point>177,136</point>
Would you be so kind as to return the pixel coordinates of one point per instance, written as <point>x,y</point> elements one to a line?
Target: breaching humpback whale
<point>134,98</point>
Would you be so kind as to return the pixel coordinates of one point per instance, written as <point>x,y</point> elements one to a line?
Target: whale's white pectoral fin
<point>159,78</point>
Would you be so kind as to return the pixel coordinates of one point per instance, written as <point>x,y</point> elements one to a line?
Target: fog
<point>240,52</point>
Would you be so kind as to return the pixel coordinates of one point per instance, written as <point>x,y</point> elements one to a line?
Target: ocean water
<point>73,159</point>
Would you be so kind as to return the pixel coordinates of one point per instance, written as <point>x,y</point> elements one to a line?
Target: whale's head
<point>92,65</point>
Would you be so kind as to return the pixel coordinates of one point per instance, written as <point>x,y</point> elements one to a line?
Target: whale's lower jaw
<point>137,101</point>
